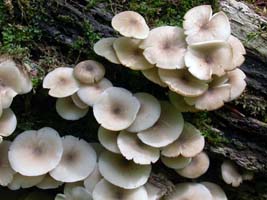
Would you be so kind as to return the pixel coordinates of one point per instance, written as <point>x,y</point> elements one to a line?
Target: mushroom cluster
<point>198,63</point>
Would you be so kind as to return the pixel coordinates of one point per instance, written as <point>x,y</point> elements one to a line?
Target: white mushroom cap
<point>6,172</point>
<point>35,153</point>
<point>105,190</point>
<point>26,83</point>
<point>153,192</point>
<point>200,25</point>
<point>78,102</point>
<point>104,47</point>
<point>67,109</point>
<point>190,191</point>
<point>48,183</point>
<point>133,149</point>
<point>61,82</point>
<point>166,130</point>
<point>78,160</point>
<point>179,103</point>
<point>237,83</point>
<point>207,58</point>
<point>90,93</point>
<point>178,162</point>
<point>6,96</point>
<point>69,186</point>
<point>91,181</point>
<point>238,51</point>
<point>121,172</point>
<point>130,55</point>
<point>148,113</point>
<point>75,193</point>
<point>130,24</point>
<point>20,181</point>
<point>165,47</point>
<point>216,191</point>
<point>89,71</point>
<point>197,167</point>
<point>108,139</point>
<point>189,144</point>
<point>8,122</point>
<point>153,76</point>
<point>230,174</point>
<point>116,108</point>
<point>182,82</point>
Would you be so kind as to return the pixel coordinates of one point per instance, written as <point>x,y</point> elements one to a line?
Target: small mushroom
<point>121,172</point>
<point>67,109</point>
<point>19,181</point>
<point>116,109</point>
<point>49,183</point>
<point>153,76</point>
<point>75,193</point>
<point>178,162</point>
<point>230,174</point>
<point>8,123</point>
<point>236,80</point>
<point>78,160</point>
<point>108,139</point>
<point>104,47</point>
<point>216,191</point>
<point>166,130</point>
<point>130,55</point>
<point>61,82</point>
<point>165,47</point>
<point>197,167</point>
<point>189,144</point>
<point>182,82</point>
<point>91,181</point>
<point>133,149</point>
<point>130,24</point>
<point>35,153</point>
<point>78,102</point>
<point>153,192</point>
<point>89,71</point>
<point>179,103</point>
<point>238,51</point>
<point>200,25</point>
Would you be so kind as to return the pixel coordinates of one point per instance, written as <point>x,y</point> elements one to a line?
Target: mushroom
<point>153,192</point>
<point>8,123</point>
<point>61,82</point>
<point>78,102</point>
<point>20,181</point>
<point>130,24</point>
<point>105,190</point>
<point>178,162</point>
<point>197,167</point>
<point>182,82</point>
<point>236,80</point>
<point>104,47</point>
<point>121,172</point>
<point>108,139</point>
<point>89,71</point>
<point>179,103</point>
<point>230,174</point>
<point>148,113</point>
<point>6,172</point>
<point>35,153</point>
<point>75,193</point>
<point>78,160</point>
<point>49,183</point>
<point>153,76</point>
<point>216,191</point>
<point>67,109</point>
<point>200,25</point>
<point>207,58</point>
<point>238,51</point>
<point>97,147</point>
<point>91,181</point>
<point>189,144</point>
<point>116,109</point>
<point>133,149</point>
<point>130,55</point>
<point>166,130</point>
<point>90,93</point>
<point>190,191</point>
<point>165,47</point>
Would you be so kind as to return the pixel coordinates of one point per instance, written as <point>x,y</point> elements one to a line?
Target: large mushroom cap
<point>166,130</point>
<point>108,139</point>
<point>90,93</point>
<point>67,109</point>
<point>165,47</point>
<point>49,183</point>
<point>230,174</point>
<point>236,79</point>
<point>78,160</point>
<point>130,55</point>
<point>89,71</point>
<point>91,181</point>
<point>61,82</point>
<point>20,181</point>
<point>121,172</point>
<point>105,190</point>
<point>133,149</point>
<point>8,122</point>
<point>130,24</point>
<point>116,109</point>
<point>34,153</point>
<point>197,167</point>
<point>190,191</point>
<point>179,103</point>
<point>189,144</point>
<point>178,162</point>
<point>104,47</point>
<point>182,82</point>
<point>238,51</point>
<point>207,58</point>
<point>216,191</point>
<point>148,113</point>
<point>200,25</point>
<point>153,76</point>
